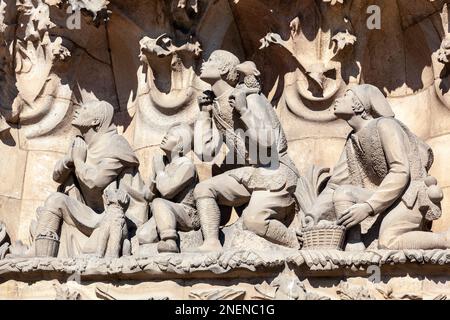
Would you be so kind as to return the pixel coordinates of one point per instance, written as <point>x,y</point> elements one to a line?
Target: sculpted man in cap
<point>265,180</point>
<point>382,170</point>
<point>98,160</point>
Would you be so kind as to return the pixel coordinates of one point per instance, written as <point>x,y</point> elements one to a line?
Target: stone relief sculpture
<point>441,61</point>
<point>172,191</point>
<point>98,160</point>
<point>267,185</point>
<point>298,86</point>
<point>4,241</point>
<point>164,92</point>
<point>110,238</point>
<point>319,43</point>
<point>383,170</point>
<point>36,57</point>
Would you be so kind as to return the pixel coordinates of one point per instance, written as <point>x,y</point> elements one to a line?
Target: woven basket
<point>47,245</point>
<point>323,237</point>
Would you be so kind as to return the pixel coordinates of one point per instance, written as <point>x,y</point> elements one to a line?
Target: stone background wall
<point>290,41</point>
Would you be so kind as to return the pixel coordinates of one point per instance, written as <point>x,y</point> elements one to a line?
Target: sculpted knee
<point>55,202</point>
<point>387,241</point>
<point>253,221</point>
<point>204,189</point>
<point>159,206</point>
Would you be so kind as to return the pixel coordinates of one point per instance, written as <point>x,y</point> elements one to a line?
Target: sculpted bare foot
<point>168,246</point>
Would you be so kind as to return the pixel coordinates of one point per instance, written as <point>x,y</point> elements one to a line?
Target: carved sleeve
<point>207,140</point>
<point>169,184</point>
<point>394,142</point>
<point>99,176</point>
<point>258,122</point>
<point>62,171</point>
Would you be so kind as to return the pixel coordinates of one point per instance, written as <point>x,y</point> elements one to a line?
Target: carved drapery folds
<point>144,59</point>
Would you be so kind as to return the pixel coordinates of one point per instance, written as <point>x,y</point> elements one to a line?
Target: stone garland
<point>222,263</point>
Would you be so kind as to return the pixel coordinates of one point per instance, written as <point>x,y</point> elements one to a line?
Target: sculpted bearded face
<point>85,117</point>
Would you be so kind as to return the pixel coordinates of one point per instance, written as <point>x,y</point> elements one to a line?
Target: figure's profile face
<point>210,70</point>
<point>343,107</point>
<point>84,117</point>
<point>170,141</point>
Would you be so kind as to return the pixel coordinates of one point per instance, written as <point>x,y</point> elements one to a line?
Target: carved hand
<point>158,164</point>
<point>238,100</point>
<point>79,150</point>
<point>205,101</point>
<point>355,215</point>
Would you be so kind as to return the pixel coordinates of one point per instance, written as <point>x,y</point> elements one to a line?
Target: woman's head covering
<point>373,100</point>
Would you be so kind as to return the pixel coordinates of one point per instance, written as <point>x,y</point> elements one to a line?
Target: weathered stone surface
<point>221,66</point>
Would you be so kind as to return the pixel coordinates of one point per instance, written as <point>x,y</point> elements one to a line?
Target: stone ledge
<point>230,264</point>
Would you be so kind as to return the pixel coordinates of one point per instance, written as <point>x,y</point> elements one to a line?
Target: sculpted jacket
<point>385,157</point>
<point>260,125</point>
<point>110,163</point>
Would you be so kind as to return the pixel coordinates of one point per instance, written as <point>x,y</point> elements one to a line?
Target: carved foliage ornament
<point>318,78</point>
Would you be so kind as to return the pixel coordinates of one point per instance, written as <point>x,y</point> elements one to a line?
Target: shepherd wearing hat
<point>383,170</point>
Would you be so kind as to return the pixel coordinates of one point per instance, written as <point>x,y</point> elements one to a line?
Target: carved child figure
<point>383,170</point>
<point>173,182</point>
<point>108,239</point>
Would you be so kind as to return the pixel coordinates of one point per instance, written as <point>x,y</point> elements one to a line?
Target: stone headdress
<point>373,100</point>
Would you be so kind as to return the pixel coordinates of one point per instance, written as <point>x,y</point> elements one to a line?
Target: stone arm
<point>170,184</point>
<point>99,176</point>
<point>394,142</point>
<point>207,138</point>
<point>62,171</point>
<point>258,122</point>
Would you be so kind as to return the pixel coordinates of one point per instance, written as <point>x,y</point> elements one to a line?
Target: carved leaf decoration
<point>271,38</point>
<point>444,17</point>
<point>343,39</point>
<point>2,17</point>
<point>309,186</point>
<point>217,294</point>
<point>39,19</point>
<point>333,2</point>
<point>18,248</point>
<point>347,291</point>
<point>65,293</point>
<point>184,4</point>
<point>267,291</point>
<point>94,6</point>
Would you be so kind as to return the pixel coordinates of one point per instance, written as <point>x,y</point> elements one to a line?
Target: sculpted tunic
<point>110,163</point>
<point>387,159</point>
<point>260,125</point>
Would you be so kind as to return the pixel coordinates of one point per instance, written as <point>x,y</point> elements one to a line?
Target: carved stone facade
<point>226,149</point>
